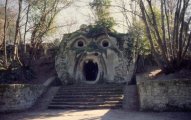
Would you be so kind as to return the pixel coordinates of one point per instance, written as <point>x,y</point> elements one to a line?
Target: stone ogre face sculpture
<point>92,59</point>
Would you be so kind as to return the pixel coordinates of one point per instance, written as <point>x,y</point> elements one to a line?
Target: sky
<point>78,13</point>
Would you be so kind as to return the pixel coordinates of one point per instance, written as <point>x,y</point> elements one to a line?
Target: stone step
<point>89,93</point>
<point>87,96</point>
<point>87,99</point>
<point>91,89</point>
<point>86,103</point>
<point>85,106</point>
<point>94,86</point>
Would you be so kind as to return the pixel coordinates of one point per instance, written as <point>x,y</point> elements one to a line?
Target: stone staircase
<point>88,97</point>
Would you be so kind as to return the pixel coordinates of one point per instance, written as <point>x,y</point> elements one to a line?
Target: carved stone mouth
<point>90,70</point>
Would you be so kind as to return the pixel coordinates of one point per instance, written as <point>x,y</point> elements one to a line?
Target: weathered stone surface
<point>130,100</point>
<point>18,96</point>
<point>94,58</point>
<point>165,95</point>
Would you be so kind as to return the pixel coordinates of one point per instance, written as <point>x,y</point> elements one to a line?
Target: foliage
<point>137,31</point>
<point>16,73</point>
<point>101,8</point>
<point>98,29</point>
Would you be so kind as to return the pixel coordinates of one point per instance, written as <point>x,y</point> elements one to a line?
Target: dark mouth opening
<point>90,70</point>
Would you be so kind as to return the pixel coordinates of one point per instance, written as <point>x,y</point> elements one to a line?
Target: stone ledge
<point>165,95</point>
<point>48,82</point>
<point>17,97</point>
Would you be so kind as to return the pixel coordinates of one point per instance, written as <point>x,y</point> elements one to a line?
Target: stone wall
<point>130,100</point>
<point>164,95</point>
<point>19,96</point>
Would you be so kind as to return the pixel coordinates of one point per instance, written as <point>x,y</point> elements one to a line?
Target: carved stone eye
<point>105,43</point>
<point>80,43</point>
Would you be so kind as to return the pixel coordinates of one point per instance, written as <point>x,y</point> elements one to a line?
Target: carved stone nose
<point>96,54</point>
<point>93,53</point>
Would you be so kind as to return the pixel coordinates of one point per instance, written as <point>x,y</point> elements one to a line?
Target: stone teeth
<point>77,55</point>
<point>94,61</point>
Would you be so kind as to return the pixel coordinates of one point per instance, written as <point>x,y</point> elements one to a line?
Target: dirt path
<point>104,114</point>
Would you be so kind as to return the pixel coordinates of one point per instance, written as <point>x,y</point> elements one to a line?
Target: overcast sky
<point>79,13</point>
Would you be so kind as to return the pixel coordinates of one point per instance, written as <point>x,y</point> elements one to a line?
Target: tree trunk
<point>4,35</point>
<point>16,40</point>
<point>26,23</point>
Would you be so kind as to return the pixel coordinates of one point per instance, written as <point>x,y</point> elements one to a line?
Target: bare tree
<point>48,10</point>
<point>26,24</point>
<point>169,42</point>
<point>16,40</point>
<point>4,35</point>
